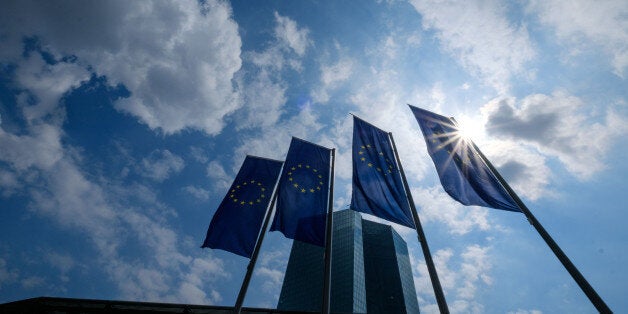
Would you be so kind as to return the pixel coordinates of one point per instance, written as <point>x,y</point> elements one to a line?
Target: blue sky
<point>122,124</point>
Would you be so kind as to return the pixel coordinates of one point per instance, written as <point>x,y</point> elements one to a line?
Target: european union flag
<point>302,194</point>
<point>237,221</point>
<point>377,186</point>
<point>462,172</point>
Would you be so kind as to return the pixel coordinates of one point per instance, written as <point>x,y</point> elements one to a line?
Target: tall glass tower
<point>370,271</point>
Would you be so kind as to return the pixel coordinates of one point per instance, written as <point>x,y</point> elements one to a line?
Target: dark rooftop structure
<point>76,306</point>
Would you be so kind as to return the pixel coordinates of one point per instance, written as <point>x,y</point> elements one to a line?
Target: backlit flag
<point>302,194</point>
<point>237,221</point>
<point>377,186</point>
<point>463,174</point>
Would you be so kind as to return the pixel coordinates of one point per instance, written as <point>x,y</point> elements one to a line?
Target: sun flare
<point>469,128</point>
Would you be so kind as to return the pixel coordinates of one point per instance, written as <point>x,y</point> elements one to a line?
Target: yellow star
<point>263,189</point>
<point>296,185</point>
<point>314,170</point>
<point>250,203</point>
<point>368,145</point>
<point>370,164</point>
<point>258,200</point>
<point>307,166</point>
<point>252,181</point>
<point>262,196</point>
<point>363,147</point>
<point>242,203</point>
<point>237,186</point>
<point>244,183</point>
<point>318,188</point>
<point>381,154</point>
<point>363,159</point>
<point>299,166</point>
<point>311,190</point>
<point>231,196</point>
<point>302,190</point>
<point>293,168</point>
<point>290,179</point>
<point>360,153</point>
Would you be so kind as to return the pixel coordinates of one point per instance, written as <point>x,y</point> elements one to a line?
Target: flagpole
<point>597,301</point>
<point>249,269</point>
<point>328,239</point>
<point>438,290</point>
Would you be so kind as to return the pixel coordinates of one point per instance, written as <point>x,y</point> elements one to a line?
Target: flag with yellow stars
<point>237,221</point>
<point>303,193</point>
<point>377,186</point>
<point>463,174</point>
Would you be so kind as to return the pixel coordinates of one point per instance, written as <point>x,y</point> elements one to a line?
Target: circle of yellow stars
<point>302,188</point>
<point>235,194</point>
<point>389,169</point>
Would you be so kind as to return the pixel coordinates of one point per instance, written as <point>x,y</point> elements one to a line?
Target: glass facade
<point>389,281</point>
<point>370,271</point>
<point>302,287</point>
<point>348,294</point>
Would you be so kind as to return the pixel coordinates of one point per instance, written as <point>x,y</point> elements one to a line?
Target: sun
<point>470,128</point>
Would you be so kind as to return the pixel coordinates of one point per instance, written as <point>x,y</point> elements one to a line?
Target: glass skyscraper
<point>370,271</point>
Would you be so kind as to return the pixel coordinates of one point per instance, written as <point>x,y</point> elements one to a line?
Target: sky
<point>123,123</point>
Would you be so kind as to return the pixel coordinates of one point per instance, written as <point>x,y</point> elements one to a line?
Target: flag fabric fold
<point>377,186</point>
<point>237,221</point>
<point>303,192</point>
<point>462,172</point>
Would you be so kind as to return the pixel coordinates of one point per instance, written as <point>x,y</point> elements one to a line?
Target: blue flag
<point>377,186</point>
<point>303,193</point>
<point>237,221</point>
<point>462,172</point>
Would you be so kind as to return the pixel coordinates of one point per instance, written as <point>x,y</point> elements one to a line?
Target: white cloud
<point>273,142</point>
<point>43,138</point>
<point>521,311</point>
<point>177,59</point>
<point>525,170</point>
<point>332,77</point>
<point>198,154</point>
<point>106,213</point>
<point>289,33</point>
<point>601,22</point>
<point>199,193</point>
<point>62,262</point>
<point>437,206</point>
<point>264,88</point>
<point>264,98</point>
<point>7,275</point>
<point>480,36</point>
<point>47,83</point>
<point>475,267</point>
<point>8,182</point>
<point>221,181</point>
<point>161,164</point>
<point>557,125</point>
<point>32,282</point>
<point>459,276</point>
<point>272,267</point>
<point>191,289</point>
